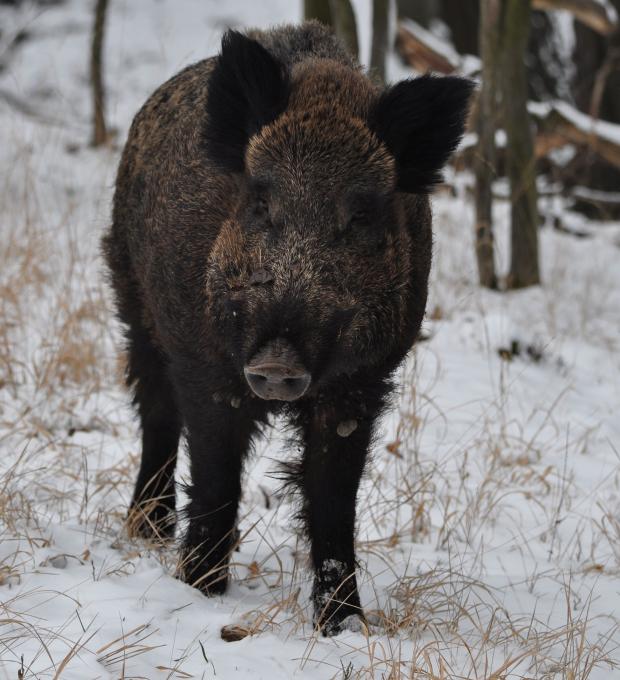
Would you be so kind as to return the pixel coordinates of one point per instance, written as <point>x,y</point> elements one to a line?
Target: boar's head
<point>321,270</point>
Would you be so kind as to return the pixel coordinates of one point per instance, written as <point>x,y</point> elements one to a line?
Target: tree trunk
<point>462,18</point>
<point>100,134</point>
<point>485,160</point>
<point>520,160</point>
<point>344,23</point>
<point>596,89</point>
<point>380,30</point>
<point>546,72</point>
<point>318,9</point>
<point>592,13</point>
<point>421,11</point>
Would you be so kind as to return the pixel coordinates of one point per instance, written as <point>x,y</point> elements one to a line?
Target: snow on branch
<point>424,51</point>
<point>560,124</point>
<point>599,15</point>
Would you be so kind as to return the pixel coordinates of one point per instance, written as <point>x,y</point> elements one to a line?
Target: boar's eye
<point>261,206</point>
<point>364,220</point>
<point>361,211</point>
<point>359,217</point>
<point>259,216</point>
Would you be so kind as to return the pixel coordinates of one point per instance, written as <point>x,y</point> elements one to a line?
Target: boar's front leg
<point>152,510</point>
<point>218,437</point>
<point>335,452</point>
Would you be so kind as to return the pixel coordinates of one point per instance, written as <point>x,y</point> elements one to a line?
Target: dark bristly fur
<point>421,122</point>
<point>248,89</point>
<point>273,195</point>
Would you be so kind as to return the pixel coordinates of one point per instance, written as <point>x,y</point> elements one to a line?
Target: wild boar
<point>270,251</point>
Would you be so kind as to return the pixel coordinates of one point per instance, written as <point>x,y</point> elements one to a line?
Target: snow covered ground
<point>489,521</point>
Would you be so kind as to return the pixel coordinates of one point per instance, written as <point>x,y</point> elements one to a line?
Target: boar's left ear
<point>248,88</point>
<point>421,121</point>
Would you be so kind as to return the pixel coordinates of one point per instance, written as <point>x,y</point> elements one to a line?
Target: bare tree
<point>380,29</point>
<point>100,133</point>
<point>422,11</point>
<point>592,13</point>
<point>596,89</point>
<point>344,23</point>
<point>486,123</point>
<point>520,159</point>
<point>320,10</point>
<point>339,15</point>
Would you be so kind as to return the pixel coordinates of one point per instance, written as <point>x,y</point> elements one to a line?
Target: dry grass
<point>436,617</point>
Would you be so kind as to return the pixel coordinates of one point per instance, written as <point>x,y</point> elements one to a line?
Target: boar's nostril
<point>276,372</point>
<point>277,381</point>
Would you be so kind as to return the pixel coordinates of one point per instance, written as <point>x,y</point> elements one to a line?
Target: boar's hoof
<point>336,624</point>
<point>210,581</point>
<point>354,623</point>
<point>151,521</point>
<point>336,600</point>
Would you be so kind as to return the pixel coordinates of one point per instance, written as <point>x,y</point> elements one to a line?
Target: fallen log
<point>557,123</point>
<point>424,51</point>
<point>560,124</point>
<point>599,16</point>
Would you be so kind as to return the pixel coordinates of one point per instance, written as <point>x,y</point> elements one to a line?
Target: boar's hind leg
<point>330,473</point>
<point>218,437</point>
<point>152,511</point>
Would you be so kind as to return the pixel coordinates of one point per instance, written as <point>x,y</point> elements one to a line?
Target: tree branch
<point>590,12</point>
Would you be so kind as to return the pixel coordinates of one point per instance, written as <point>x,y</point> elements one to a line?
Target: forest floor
<point>489,519</point>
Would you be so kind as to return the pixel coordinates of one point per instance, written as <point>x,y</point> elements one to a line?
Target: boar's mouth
<point>276,372</point>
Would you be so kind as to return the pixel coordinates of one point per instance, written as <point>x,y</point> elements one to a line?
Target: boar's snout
<point>276,372</point>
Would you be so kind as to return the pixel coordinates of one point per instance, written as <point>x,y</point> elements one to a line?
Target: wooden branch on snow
<point>560,124</point>
<point>424,51</point>
<point>592,13</point>
<point>557,125</point>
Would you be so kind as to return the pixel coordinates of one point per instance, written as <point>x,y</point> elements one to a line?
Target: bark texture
<point>485,160</point>
<point>520,159</point>
<point>344,23</point>
<point>380,28</point>
<point>422,11</point>
<point>596,89</point>
<point>100,133</point>
<point>318,9</point>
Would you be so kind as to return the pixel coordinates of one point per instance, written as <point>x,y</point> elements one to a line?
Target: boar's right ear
<point>421,121</point>
<point>248,89</point>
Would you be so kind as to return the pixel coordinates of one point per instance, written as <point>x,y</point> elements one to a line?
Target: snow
<point>609,132</point>
<point>488,520</point>
<point>610,10</point>
<point>596,195</point>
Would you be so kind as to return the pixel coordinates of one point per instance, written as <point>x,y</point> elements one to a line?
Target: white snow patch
<point>488,519</point>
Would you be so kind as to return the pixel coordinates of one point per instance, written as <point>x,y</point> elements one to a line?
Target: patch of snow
<point>605,130</point>
<point>494,485</point>
<point>354,624</point>
<point>612,15</point>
